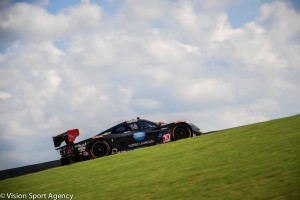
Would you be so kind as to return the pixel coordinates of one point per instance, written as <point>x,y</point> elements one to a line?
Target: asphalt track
<point>20,171</point>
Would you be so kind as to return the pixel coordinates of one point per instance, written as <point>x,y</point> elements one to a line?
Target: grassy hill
<point>258,161</point>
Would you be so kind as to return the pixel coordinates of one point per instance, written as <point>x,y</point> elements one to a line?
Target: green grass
<point>258,161</point>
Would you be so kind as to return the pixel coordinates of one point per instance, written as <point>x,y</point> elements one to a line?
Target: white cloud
<point>147,104</point>
<point>189,48</point>
<point>241,116</point>
<point>4,95</point>
<point>86,68</point>
<point>143,10</point>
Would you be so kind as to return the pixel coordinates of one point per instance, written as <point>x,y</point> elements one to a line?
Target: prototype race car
<point>128,135</point>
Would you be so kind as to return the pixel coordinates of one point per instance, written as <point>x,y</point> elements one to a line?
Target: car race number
<point>166,137</point>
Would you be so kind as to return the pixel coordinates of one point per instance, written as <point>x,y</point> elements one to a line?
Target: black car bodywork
<point>128,135</point>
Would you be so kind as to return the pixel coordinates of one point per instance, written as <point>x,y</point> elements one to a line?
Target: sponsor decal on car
<point>139,136</point>
<point>69,149</point>
<point>141,143</point>
<point>81,147</point>
<point>166,137</point>
<point>160,135</point>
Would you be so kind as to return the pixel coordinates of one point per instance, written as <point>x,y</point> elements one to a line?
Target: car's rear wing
<point>67,137</point>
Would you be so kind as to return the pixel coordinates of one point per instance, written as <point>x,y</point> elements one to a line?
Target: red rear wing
<point>72,134</point>
<point>67,137</point>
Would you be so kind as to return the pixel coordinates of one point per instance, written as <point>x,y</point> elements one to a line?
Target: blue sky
<point>89,64</point>
<point>239,13</point>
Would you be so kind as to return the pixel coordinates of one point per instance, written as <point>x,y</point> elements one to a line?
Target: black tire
<point>99,148</point>
<point>181,132</point>
<point>65,161</point>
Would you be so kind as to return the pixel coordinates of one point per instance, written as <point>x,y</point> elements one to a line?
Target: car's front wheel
<point>99,148</point>
<point>181,131</point>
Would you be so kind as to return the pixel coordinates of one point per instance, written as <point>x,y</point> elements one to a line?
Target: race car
<point>128,135</point>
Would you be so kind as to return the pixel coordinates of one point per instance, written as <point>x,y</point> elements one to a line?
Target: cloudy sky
<point>90,64</point>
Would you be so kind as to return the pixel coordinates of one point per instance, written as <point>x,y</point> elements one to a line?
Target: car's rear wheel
<point>65,161</point>
<point>181,131</point>
<point>99,148</point>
